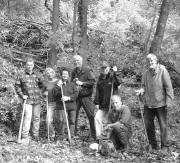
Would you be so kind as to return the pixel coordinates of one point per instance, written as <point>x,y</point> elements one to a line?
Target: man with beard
<point>84,79</point>
<point>157,92</point>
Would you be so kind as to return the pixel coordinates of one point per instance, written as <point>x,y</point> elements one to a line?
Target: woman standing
<point>49,84</point>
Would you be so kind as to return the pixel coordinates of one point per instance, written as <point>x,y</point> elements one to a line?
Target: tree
<point>82,11</point>
<point>52,57</point>
<point>158,37</point>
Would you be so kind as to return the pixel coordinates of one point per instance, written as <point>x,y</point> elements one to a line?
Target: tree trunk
<point>74,24</point>
<point>82,10</point>
<point>158,37</point>
<point>52,57</point>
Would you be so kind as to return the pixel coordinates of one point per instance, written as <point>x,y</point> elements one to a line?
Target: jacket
<point>103,89</point>
<point>30,85</point>
<point>68,90</point>
<point>158,87</point>
<point>85,75</point>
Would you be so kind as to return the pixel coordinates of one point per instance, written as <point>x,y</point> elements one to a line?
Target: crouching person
<point>119,124</point>
<point>28,87</point>
<point>70,94</point>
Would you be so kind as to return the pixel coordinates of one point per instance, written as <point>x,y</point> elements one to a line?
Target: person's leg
<point>72,116</point>
<point>78,103</point>
<point>149,115</point>
<point>59,123</point>
<point>98,121</point>
<point>27,120</point>
<point>123,135</point>
<point>162,119</point>
<point>49,119</point>
<point>89,109</point>
<point>36,111</point>
<point>114,138</point>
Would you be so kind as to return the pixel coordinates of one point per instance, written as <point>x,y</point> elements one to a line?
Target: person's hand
<point>46,93</point>
<point>97,107</point>
<point>108,127</point>
<point>114,68</point>
<point>60,83</point>
<point>65,98</point>
<point>139,92</point>
<point>25,97</point>
<point>78,82</point>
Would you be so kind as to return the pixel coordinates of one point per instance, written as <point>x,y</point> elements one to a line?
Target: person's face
<point>29,66</point>
<point>50,74</point>
<point>105,70</point>
<point>65,75</point>
<point>78,62</point>
<point>116,103</point>
<point>151,62</point>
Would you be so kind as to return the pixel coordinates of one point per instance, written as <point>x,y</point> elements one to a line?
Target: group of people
<point>112,119</point>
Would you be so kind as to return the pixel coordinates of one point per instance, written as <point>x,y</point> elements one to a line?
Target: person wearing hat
<point>107,85</point>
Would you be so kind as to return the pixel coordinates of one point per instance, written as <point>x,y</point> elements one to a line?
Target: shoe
<point>25,141</point>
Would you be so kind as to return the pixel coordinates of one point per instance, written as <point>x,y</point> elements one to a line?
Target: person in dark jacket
<point>70,94</point>
<point>28,86</point>
<point>84,79</point>
<point>107,79</point>
<point>119,124</point>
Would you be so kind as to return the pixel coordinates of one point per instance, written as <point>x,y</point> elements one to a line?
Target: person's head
<point>116,102</point>
<point>65,74</point>
<point>152,61</point>
<point>78,61</point>
<point>105,68</point>
<point>29,64</point>
<point>50,73</point>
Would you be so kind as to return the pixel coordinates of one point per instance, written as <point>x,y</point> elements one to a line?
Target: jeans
<point>59,122</point>
<point>149,115</point>
<point>50,118</point>
<point>88,106</point>
<point>100,116</point>
<point>31,112</point>
<point>120,136</point>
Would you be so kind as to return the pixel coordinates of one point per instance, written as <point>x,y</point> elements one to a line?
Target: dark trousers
<point>149,115</point>
<point>88,106</point>
<point>120,137</point>
<point>60,121</point>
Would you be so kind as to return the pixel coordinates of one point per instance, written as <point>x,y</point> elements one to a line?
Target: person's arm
<point>90,79</point>
<point>168,87</point>
<point>96,99</point>
<point>19,88</point>
<point>74,96</point>
<point>124,119</point>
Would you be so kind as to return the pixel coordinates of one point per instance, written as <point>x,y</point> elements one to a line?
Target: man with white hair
<point>157,92</point>
<point>84,78</point>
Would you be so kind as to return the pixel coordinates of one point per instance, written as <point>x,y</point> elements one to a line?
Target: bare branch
<point>47,6</point>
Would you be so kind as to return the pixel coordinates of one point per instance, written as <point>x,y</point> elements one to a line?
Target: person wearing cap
<point>157,93</point>
<point>70,94</point>
<point>107,84</point>
<point>84,79</point>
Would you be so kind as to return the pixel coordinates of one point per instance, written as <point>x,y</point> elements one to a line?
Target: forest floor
<point>44,152</point>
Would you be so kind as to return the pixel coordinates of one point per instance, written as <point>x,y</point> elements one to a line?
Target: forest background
<point>122,32</point>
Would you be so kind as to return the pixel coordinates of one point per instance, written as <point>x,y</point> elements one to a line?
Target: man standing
<point>157,92</point>
<point>119,124</point>
<point>107,85</point>
<point>84,78</point>
<point>28,87</point>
